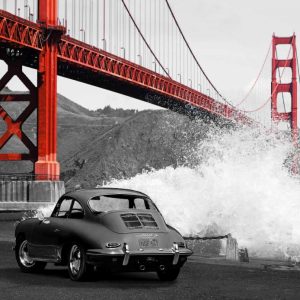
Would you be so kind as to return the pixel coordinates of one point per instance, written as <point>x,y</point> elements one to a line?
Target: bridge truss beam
<point>14,61</point>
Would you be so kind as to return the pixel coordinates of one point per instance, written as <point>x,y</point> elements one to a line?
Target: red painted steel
<point>14,127</point>
<point>291,87</point>
<point>46,163</point>
<point>78,53</point>
<point>20,31</point>
<point>47,44</point>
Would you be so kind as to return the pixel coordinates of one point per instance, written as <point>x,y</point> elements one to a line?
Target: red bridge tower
<point>278,87</point>
<point>42,97</point>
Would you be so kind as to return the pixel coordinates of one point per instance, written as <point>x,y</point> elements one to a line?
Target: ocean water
<point>238,184</point>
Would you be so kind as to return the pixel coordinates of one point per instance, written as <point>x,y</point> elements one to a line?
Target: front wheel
<point>77,266</point>
<point>169,274</point>
<point>25,262</point>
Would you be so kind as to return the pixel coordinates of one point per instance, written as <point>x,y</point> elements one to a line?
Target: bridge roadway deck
<point>84,63</point>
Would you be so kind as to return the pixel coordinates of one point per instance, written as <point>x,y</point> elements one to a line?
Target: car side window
<point>64,208</point>
<point>77,211</point>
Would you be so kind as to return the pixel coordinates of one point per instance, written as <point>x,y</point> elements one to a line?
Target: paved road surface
<point>198,280</point>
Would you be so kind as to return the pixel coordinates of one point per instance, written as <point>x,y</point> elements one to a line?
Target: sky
<point>230,39</point>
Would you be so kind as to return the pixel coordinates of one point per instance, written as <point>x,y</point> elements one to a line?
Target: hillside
<point>96,146</point>
<point>151,139</point>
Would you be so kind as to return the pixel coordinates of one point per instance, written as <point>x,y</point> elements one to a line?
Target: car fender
<point>177,237</point>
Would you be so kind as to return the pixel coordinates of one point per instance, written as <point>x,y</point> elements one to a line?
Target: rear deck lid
<point>139,221</point>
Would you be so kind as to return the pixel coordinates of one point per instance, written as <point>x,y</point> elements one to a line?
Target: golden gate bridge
<point>133,47</point>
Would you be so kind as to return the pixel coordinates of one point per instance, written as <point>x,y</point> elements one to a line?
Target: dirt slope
<point>94,147</point>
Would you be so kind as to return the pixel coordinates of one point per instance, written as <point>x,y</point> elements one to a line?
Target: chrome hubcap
<point>24,257</point>
<point>75,259</point>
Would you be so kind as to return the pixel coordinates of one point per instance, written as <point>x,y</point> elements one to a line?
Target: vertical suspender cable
<point>159,30</point>
<point>129,35</point>
<point>73,18</point>
<point>33,11</point>
<point>85,22</point>
<point>118,32</point>
<point>92,22</point>
<point>97,23</point>
<point>103,28</point>
<point>145,41</point>
<point>163,34</point>
<point>134,33</point>
<point>66,16</point>
<point>124,33</point>
<point>145,18</point>
<point>81,18</point>
<point>155,25</point>
<point>110,36</point>
<point>169,38</point>
<point>173,51</point>
<point>151,14</point>
<point>140,25</point>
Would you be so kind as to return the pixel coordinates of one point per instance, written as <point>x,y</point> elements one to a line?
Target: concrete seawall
<point>19,195</point>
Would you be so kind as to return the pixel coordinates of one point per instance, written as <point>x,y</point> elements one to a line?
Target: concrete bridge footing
<point>27,195</point>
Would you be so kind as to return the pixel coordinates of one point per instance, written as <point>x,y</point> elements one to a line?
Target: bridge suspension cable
<point>144,39</point>
<point>193,55</point>
<point>256,79</point>
<point>275,90</point>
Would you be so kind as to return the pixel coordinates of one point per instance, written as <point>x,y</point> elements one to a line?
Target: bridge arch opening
<point>284,75</point>
<point>284,102</point>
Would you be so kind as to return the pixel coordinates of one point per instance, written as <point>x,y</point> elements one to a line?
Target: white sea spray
<point>241,186</point>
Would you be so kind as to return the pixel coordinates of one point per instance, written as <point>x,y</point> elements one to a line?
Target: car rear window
<point>118,202</point>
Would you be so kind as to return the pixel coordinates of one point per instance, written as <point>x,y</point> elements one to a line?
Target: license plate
<point>148,243</point>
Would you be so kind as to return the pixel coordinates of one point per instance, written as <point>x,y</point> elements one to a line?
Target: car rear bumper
<point>174,255</point>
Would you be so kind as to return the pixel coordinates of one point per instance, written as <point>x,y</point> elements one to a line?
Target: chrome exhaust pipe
<point>162,267</point>
<point>142,267</point>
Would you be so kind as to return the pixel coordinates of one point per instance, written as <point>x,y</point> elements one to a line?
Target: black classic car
<point>105,228</point>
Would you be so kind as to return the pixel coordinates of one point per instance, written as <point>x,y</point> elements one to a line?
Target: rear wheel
<point>77,266</point>
<point>25,262</point>
<point>170,273</point>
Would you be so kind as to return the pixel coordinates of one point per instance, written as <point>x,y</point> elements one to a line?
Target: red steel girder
<point>47,166</point>
<point>20,31</point>
<point>14,127</point>
<point>85,56</point>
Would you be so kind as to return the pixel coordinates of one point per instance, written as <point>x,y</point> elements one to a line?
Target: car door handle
<point>56,230</point>
<point>45,221</point>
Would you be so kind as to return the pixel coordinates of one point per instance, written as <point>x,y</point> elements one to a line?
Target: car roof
<point>86,194</point>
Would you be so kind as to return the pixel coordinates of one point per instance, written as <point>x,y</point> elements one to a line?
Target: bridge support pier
<point>29,195</point>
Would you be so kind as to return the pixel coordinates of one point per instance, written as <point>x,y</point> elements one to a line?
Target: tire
<point>27,264</point>
<point>169,274</point>
<point>77,267</point>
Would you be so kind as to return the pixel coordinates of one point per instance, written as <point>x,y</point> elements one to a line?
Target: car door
<point>48,232</point>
